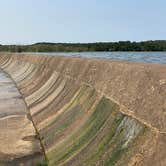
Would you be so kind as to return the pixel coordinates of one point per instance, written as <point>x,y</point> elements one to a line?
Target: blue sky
<point>30,21</point>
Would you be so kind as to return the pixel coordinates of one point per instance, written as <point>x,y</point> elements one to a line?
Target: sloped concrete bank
<point>91,111</point>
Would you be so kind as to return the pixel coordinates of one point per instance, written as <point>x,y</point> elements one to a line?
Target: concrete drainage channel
<point>83,111</point>
<point>18,140</point>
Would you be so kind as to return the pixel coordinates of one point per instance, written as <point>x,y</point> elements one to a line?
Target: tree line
<point>158,45</point>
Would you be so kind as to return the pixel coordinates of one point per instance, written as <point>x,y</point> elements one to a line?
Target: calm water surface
<point>148,57</point>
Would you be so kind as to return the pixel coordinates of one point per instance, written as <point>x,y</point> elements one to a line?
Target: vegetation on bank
<point>158,45</point>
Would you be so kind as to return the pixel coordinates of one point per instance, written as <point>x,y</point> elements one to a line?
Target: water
<point>148,57</point>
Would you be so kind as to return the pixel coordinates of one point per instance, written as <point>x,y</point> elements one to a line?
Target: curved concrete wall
<point>91,111</point>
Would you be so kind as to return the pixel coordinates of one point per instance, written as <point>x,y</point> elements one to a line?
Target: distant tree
<point>158,45</point>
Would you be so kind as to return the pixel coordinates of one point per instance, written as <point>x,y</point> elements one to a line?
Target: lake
<point>148,57</point>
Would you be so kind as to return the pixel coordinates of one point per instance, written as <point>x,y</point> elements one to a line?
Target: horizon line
<point>49,42</point>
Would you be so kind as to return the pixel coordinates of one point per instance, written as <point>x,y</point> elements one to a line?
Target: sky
<point>31,21</point>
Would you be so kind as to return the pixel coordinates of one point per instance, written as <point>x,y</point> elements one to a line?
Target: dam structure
<point>72,111</point>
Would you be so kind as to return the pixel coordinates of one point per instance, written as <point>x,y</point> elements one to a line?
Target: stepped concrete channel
<point>72,111</point>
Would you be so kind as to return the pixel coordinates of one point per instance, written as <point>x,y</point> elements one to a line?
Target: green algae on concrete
<point>87,132</point>
<point>106,131</point>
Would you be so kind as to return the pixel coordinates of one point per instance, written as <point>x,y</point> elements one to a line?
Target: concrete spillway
<point>17,143</point>
<point>82,111</point>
